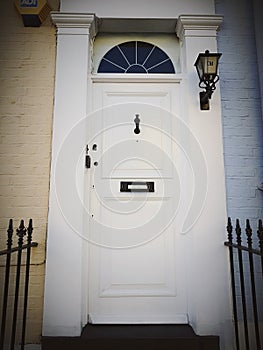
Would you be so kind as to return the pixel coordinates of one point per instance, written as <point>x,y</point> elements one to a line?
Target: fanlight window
<point>136,57</point>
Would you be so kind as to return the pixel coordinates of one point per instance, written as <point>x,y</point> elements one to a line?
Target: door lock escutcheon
<point>87,158</point>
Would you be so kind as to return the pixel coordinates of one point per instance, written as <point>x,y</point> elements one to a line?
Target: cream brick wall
<point>27,68</point>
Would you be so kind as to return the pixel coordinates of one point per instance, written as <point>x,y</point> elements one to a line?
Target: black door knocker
<point>137,122</point>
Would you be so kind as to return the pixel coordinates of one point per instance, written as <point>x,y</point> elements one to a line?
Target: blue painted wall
<point>242,127</point>
<point>241,108</point>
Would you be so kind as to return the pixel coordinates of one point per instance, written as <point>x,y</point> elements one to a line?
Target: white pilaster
<point>64,305</point>
<point>208,280</point>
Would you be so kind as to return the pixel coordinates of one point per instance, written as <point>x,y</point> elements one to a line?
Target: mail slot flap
<point>137,186</point>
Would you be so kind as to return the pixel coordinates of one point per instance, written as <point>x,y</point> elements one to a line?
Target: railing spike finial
<point>30,231</point>
<point>22,224</point>
<point>229,230</point>
<point>238,232</point>
<point>21,232</point>
<point>10,226</point>
<point>248,233</point>
<point>30,225</point>
<point>10,231</point>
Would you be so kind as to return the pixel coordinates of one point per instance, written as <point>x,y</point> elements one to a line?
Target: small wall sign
<point>28,3</point>
<point>33,12</point>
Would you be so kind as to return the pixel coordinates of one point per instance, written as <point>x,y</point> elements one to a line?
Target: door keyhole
<point>137,123</point>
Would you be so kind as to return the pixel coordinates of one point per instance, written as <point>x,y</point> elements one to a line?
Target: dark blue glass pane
<point>143,50</point>
<point>106,67</point>
<point>115,56</point>
<point>166,67</point>
<point>157,56</point>
<point>136,57</point>
<point>128,49</point>
<point>136,69</point>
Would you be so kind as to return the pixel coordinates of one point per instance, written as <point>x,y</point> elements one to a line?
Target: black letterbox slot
<point>137,186</point>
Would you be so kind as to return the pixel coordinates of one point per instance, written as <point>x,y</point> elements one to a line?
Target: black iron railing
<point>239,274</point>
<point>24,244</point>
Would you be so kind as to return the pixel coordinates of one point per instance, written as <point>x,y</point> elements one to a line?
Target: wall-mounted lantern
<point>206,66</point>
<point>33,12</point>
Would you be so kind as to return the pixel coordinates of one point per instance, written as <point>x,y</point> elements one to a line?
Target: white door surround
<point>66,286</point>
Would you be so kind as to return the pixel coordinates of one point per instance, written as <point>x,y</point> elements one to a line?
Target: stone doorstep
<point>130,337</point>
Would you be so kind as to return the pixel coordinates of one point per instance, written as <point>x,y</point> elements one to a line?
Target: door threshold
<point>137,331</point>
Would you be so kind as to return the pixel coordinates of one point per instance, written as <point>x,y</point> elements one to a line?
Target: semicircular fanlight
<point>136,57</point>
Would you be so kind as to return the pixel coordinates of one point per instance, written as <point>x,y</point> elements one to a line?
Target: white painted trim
<point>198,23</point>
<point>102,319</point>
<point>74,21</point>
<point>137,25</point>
<point>137,78</point>
<point>65,306</point>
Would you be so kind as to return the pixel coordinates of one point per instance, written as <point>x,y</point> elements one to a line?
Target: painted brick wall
<point>242,126</point>
<point>27,66</point>
<point>241,108</point>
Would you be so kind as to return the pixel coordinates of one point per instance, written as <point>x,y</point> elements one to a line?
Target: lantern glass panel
<point>206,65</point>
<point>199,67</point>
<point>210,66</point>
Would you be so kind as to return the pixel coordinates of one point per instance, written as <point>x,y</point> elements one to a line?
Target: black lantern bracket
<point>207,66</point>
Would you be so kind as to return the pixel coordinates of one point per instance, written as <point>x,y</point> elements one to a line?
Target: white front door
<point>136,253</point>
